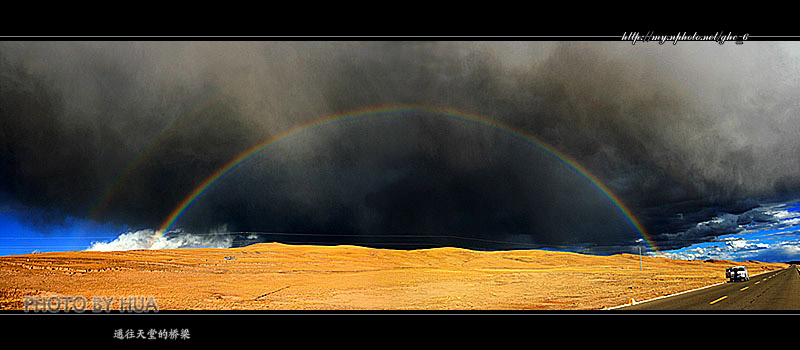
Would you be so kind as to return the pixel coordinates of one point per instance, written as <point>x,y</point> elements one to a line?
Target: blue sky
<point>73,234</point>
<point>774,237</point>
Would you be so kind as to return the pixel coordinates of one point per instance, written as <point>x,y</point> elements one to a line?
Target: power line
<point>573,247</point>
<point>531,245</point>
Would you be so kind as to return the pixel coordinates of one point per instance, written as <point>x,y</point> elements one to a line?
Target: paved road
<point>777,290</point>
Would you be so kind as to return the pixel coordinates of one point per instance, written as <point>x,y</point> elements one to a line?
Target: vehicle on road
<point>737,273</point>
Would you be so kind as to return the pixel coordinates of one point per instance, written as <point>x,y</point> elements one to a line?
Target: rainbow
<point>390,112</point>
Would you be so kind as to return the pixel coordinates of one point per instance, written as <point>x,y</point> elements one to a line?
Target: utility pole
<point>640,259</point>
<point>640,240</point>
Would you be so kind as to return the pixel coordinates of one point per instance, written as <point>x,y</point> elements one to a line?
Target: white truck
<point>737,273</point>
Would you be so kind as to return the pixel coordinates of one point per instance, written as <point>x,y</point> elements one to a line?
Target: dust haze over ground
<point>681,133</point>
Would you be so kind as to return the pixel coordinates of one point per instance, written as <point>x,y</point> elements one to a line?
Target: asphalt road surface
<point>777,290</point>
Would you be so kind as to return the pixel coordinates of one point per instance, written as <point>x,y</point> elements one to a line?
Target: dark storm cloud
<point>356,184</point>
<point>680,133</point>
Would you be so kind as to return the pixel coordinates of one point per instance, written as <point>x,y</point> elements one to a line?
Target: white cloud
<point>768,233</point>
<point>743,244</point>
<point>735,248</point>
<point>780,252</point>
<point>147,239</point>
<point>782,214</point>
